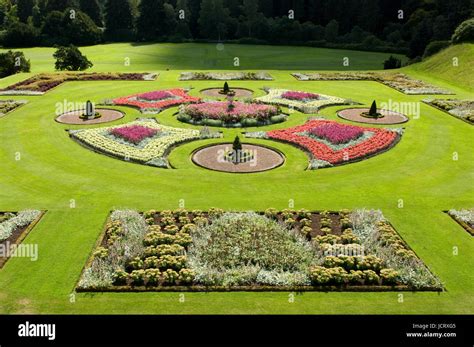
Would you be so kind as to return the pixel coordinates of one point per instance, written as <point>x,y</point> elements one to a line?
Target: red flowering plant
<point>352,144</point>
<point>157,99</point>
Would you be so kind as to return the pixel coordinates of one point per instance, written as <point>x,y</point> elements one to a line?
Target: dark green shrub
<point>249,122</point>
<point>20,35</point>
<point>278,119</point>
<point>392,63</point>
<point>71,59</point>
<point>212,122</point>
<point>183,117</point>
<point>464,32</point>
<point>434,47</point>
<point>12,63</point>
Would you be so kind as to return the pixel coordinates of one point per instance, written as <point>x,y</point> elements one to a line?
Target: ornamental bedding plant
<point>146,101</point>
<point>336,133</point>
<point>380,140</point>
<point>22,219</point>
<point>156,95</point>
<point>248,249</point>
<point>300,96</point>
<point>133,133</point>
<point>238,111</point>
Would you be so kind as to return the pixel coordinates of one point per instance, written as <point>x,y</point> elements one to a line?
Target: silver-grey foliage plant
<point>412,271</point>
<point>248,248</point>
<point>22,219</point>
<point>128,246</point>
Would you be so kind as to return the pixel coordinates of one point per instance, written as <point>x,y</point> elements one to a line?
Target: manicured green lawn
<point>53,170</point>
<point>114,57</point>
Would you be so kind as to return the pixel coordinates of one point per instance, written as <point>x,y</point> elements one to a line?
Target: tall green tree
<point>213,19</point>
<point>331,31</point>
<point>250,11</point>
<point>4,6</point>
<point>81,29</point>
<point>24,9</point>
<point>71,59</point>
<point>118,19</point>
<point>92,9</point>
<point>170,23</point>
<point>60,5</point>
<point>184,18</point>
<point>151,21</point>
<point>37,15</point>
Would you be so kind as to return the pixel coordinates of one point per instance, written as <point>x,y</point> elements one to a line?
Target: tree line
<point>384,25</point>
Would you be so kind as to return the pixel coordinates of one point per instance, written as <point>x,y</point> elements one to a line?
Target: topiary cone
<point>237,146</point>
<point>373,109</point>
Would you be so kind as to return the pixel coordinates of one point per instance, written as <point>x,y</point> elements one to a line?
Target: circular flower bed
<point>252,158</point>
<point>103,115</point>
<point>357,115</point>
<point>234,114</point>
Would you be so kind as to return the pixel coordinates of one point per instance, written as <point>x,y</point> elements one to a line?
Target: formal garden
<point>325,170</point>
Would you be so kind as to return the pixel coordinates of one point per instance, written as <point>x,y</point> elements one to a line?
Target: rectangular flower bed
<point>215,250</point>
<point>398,81</point>
<point>10,105</point>
<point>329,143</point>
<point>225,76</point>
<point>14,227</point>
<point>142,141</point>
<point>465,218</point>
<point>42,83</point>
<point>301,101</point>
<point>462,109</point>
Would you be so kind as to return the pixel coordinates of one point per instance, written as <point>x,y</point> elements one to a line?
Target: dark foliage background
<point>353,24</point>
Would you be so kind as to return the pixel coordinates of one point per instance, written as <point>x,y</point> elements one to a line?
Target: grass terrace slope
<point>441,66</point>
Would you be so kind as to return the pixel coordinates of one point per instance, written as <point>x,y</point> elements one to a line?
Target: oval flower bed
<point>156,101</point>
<point>235,114</point>
<point>330,143</point>
<point>301,101</point>
<point>142,141</point>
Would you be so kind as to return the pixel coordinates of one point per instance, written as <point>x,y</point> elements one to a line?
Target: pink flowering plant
<point>299,96</point>
<point>230,112</point>
<point>156,100</point>
<point>155,95</point>
<point>133,133</point>
<point>336,133</point>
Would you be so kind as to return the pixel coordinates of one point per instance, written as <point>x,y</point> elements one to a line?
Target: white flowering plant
<point>309,105</point>
<point>152,150</point>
